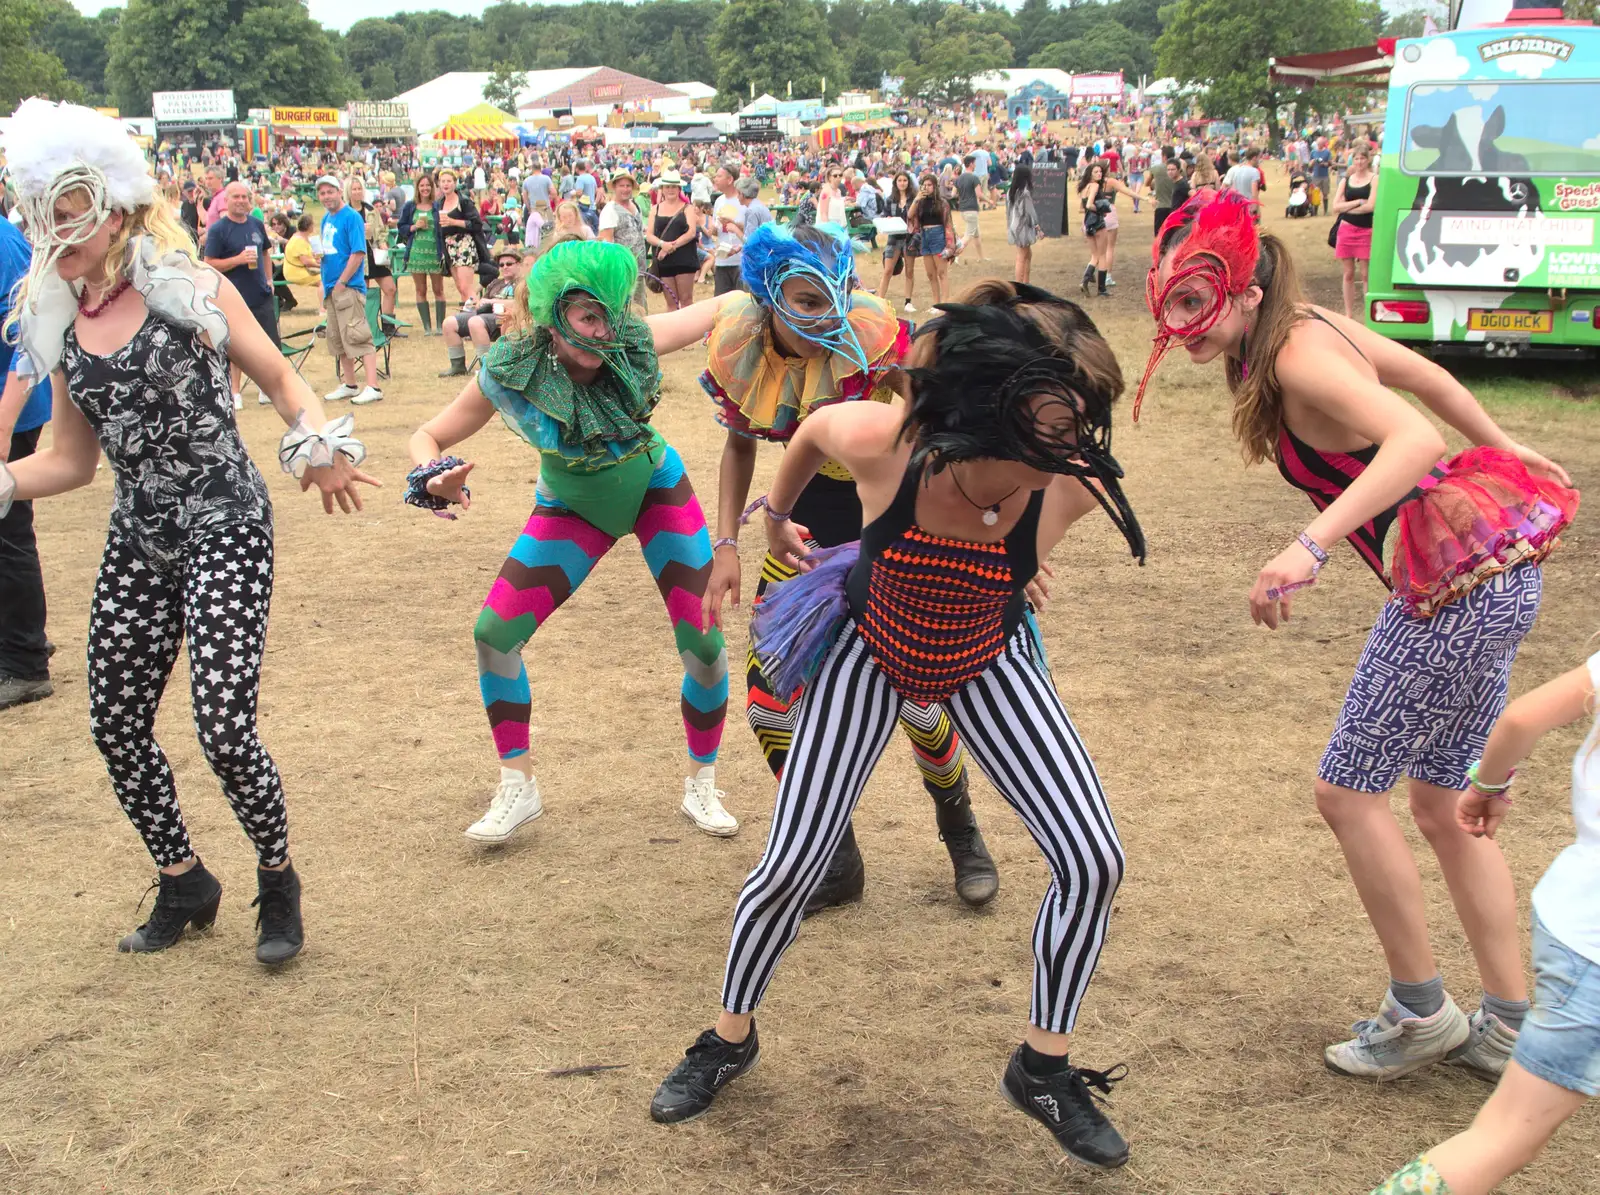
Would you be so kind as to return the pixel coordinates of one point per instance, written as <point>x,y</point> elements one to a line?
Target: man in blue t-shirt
<point>344,294</point>
<point>24,650</point>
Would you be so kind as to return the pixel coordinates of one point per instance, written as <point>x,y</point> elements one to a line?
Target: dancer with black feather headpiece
<point>1005,442</point>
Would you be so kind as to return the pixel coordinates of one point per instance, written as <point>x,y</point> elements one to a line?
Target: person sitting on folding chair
<point>479,321</point>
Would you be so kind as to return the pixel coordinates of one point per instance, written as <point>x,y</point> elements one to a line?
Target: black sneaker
<point>277,906</point>
<point>707,1067</point>
<point>845,879</point>
<point>181,901</point>
<point>1064,1104</point>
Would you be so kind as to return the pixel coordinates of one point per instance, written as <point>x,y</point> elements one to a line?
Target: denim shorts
<point>933,241</point>
<point>1560,1040</point>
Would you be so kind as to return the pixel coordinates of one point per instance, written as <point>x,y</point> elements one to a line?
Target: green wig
<point>603,271</point>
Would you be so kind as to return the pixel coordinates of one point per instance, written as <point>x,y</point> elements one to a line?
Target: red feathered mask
<point>1217,260</point>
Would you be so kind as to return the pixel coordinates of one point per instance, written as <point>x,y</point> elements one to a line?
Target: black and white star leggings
<point>216,591</point>
<point>1017,730</point>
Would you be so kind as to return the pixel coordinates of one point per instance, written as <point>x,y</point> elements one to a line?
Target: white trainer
<point>702,804</point>
<point>370,394</point>
<point>345,390</point>
<point>261,399</point>
<point>238,401</point>
<point>1488,1047</point>
<point>516,802</point>
<point>1396,1043</point>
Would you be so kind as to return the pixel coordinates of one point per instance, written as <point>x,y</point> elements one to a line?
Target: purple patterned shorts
<point>1428,690</point>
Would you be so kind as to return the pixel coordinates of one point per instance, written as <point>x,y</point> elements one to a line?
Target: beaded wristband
<point>1311,545</point>
<point>727,541</point>
<point>1494,791</point>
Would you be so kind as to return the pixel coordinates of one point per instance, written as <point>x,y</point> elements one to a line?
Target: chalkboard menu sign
<point>1050,197</point>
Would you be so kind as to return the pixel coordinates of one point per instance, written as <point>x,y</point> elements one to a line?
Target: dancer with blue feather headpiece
<point>803,338</point>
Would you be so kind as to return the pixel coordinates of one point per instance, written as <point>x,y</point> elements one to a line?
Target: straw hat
<point>504,249</point>
<point>669,178</point>
<point>623,172</point>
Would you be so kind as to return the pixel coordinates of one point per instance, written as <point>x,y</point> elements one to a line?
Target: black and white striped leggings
<point>1019,734</point>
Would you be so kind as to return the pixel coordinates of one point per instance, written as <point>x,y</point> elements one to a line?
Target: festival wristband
<point>417,492</point>
<point>727,541</point>
<point>301,448</point>
<point>758,504</point>
<point>1484,788</point>
<point>1311,545</point>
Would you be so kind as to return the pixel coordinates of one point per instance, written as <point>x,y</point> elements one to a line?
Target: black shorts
<point>491,324</point>
<point>377,272</point>
<point>726,279</point>
<point>267,316</point>
<point>1161,217</point>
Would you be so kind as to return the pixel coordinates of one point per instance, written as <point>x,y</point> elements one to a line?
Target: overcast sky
<point>341,14</point>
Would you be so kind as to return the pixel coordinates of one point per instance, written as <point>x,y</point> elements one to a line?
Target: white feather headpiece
<point>55,150</point>
<point>48,140</point>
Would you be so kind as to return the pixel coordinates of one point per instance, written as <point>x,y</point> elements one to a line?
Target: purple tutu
<point>798,621</point>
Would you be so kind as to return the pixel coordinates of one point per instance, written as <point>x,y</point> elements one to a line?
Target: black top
<point>1022,546</point>
<point>1351,191</point>
<point>468,211</point>
<point>683,259</point>
<point>162,408</point>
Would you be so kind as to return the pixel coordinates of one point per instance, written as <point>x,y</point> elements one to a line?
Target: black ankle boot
<point>844,880</point>
<point>977,878</point>
<point>181,901</point>
<point>277,905</point>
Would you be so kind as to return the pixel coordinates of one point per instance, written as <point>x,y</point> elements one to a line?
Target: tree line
<point>272,51</point>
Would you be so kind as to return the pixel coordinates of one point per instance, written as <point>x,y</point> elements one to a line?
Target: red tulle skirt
<point>1485,515</point>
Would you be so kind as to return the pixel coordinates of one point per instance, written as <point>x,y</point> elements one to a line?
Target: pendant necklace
<point>991,514</point>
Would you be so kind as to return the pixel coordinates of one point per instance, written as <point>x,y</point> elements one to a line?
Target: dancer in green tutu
<point>419,233</point>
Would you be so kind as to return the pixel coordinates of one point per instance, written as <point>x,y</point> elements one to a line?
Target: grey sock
<point>457,352</point>
<point>1423,999</point>
<point>1510,1012</point>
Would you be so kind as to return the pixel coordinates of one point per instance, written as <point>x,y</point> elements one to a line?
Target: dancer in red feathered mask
<point>1312,392</point>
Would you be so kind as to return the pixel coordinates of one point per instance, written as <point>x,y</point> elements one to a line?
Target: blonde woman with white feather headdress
<point>117,312</point>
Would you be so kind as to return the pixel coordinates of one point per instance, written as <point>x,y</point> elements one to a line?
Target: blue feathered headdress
<point>824,256</point>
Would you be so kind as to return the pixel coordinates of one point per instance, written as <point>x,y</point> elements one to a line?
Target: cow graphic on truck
<point>1484,229</point>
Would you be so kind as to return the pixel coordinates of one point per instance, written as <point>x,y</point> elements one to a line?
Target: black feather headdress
<point>977,399</point>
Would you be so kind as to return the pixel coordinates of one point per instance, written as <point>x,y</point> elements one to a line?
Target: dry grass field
<point>409,1048</point>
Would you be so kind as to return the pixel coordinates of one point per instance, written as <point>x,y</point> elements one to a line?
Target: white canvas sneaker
<point>238,401</point>
<point>370,394</point>
<point>1396,1044</point>
<point>516,802</point>
<point>1488,1047</point>
<point>702,804</point>
<point>345,390</point>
